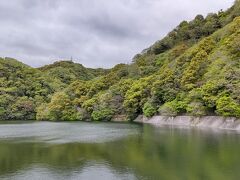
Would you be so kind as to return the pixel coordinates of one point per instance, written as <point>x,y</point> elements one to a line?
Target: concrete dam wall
<point>215,122</point>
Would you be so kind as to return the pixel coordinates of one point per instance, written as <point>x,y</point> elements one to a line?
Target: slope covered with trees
<point>23,88</point>
<point>68,71</point>
<point>194,70</point>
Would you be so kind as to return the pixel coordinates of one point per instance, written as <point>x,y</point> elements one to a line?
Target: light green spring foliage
<point>102,115</point>
<point>68,72</point>
<point>226,106</point>
<point>194,70</point>
<point>149,109</point>
<point>22,89</point>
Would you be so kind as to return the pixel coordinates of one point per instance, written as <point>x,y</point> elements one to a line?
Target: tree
<point>168,109</point>
<point>212,24</point>
<point>102,115</point>
<point>163,88</point>
<point>198,64</point>
<point>60,108</point>
<point>149,109</point>
<point>23,109</point>
<point>226,106</point>
<point>196,108</point>
<point>136,96</point>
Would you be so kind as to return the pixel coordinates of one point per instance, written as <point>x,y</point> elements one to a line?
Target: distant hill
<point>68,71</point>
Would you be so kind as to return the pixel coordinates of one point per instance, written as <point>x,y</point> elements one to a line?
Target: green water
<point>102,151</point>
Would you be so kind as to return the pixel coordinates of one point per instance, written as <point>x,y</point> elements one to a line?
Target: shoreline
<point>211,122</point>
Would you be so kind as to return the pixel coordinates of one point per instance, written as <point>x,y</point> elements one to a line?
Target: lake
<point>116,151</point>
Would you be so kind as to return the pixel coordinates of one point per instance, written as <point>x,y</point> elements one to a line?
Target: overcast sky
<point>96,33</point>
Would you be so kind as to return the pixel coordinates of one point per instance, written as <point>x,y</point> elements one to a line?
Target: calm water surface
<point>102,151</point>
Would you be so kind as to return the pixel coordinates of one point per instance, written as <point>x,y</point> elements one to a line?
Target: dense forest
<point>194,70</point>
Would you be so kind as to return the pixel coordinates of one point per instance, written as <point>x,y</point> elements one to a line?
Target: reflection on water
<point>44,150</point>
<point>65,132</point>
<point>89,171</point>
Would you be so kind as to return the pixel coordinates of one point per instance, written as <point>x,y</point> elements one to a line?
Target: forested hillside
<point>22,89</point>
<point>67,71</point>
<point>194,70</point>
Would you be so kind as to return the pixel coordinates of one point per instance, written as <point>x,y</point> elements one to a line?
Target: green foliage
<point>88,105</point>
<point>210,92</point>
<point>68,71</point>
<point>60,108</point>
<point>164,88</point>
<point>102,115</point>
<point>173,108</point>
<point>233,43</point>
<point>197,65</point>
<point>195,105</point>
<point>191,32</point>
<point>22,89</point>
<point>168,109</point>
<point>23,108</point>
<point>149,109</point>
<point>196,109</point>
<point>136,97</point>
<point>226,106</point>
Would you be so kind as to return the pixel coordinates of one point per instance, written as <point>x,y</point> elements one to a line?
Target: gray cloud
<point>96,33</point>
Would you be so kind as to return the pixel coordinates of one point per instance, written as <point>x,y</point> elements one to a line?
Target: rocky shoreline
<point>213,122</point>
